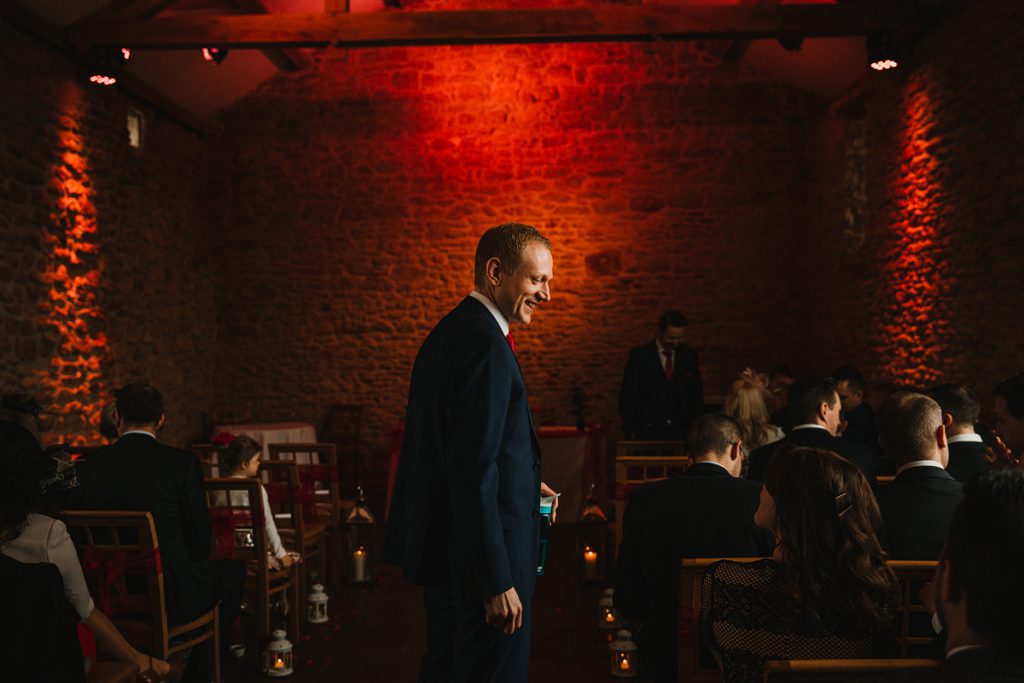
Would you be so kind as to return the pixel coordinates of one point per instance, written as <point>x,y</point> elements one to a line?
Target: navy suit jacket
<point>704,512</point>
<point>856,453</point>
<point>966,458</point>
<point>917,509</point>
<point>464,510</point>
<point>137,472</point>
<point>648,401</point>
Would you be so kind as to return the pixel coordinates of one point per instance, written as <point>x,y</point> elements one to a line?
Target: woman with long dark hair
<point>826,592</point>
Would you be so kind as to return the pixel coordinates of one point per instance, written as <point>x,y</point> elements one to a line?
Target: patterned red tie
<point>511,342</point>
<point>668,364</point>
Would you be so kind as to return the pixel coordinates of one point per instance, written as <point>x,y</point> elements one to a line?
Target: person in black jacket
<point>960,411</point>
<point>858,418</point>
<point>137,472</point>
<point>918,505</point>
<point>661,387</point>
<point>977,587</point>
<point>814,408</point>
<point>705,512</point>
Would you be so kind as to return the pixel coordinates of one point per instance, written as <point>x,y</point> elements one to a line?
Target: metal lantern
<point>359,531</point>
<point>623,651</point>
<point>607,617</point>
<point>316,605</point>
<point>592,540</point>
<point>277,658</point>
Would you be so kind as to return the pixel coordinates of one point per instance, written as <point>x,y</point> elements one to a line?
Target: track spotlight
<point>881,55</point>
<point>106,64</point>
<point>215,54</point>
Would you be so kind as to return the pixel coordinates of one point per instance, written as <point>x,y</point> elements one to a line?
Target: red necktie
<point>511,342</point>
<point>668,364</point>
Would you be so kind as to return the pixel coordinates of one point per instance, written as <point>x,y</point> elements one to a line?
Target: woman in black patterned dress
<point>826,592</point>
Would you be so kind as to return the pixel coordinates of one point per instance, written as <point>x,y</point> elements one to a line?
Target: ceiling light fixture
<point>106,64</point>
<point>215,54</point>
<point>881,54</point>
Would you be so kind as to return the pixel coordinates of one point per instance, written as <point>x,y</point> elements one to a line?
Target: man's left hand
<point>545,491</point>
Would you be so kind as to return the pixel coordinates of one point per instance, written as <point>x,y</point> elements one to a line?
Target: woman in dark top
<point>826,592</point>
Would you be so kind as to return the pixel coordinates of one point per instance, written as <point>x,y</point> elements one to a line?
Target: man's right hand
<point>504,611</point>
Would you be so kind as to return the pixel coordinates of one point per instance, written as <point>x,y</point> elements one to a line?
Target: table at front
<point>274,432</point>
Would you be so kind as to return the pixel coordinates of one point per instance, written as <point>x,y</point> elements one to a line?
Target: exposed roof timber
<point>125,9</point>
<point>737,48</point>
<point>34,25</point>
<point>579,24</point>
<point>285,59</point>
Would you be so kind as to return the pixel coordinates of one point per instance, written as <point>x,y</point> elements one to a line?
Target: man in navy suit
<point>918,506</point>
<point>464,519</point>
<point>661,388</point>
<point>960,411</point>
<point>814,408</point>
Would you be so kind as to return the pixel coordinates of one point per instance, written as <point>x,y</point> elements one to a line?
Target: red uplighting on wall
<point>73,380</point>
<point>916,319</point>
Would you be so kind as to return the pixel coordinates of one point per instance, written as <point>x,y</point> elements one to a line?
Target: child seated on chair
<point>241,459</point>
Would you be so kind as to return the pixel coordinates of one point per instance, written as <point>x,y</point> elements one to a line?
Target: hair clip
<point>842,505</point>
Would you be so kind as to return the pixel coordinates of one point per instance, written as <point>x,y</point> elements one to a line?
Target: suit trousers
<point>463,648</point>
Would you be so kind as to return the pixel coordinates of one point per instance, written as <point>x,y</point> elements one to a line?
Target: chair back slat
<point>911,631</point>
<point>318,473</point>
<point>281,477</point>
<point>142,614</point>
<point>826,670</point>
<point>237,516</point>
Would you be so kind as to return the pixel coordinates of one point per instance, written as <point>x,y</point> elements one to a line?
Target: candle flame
<point>624,664</point>
<point>279,664</point>
<point>608,616</point>
<point>590,555</point>
<point>360,551</point>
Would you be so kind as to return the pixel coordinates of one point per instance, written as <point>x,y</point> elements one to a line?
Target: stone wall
<point>356,191</point>
<point>914,257</point>
<point>104,275</point>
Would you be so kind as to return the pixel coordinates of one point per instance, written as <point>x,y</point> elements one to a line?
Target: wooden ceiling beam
<point>468,27</point>
<point>285,58</point>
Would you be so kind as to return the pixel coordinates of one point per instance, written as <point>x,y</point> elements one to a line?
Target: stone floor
<point>376,634</point>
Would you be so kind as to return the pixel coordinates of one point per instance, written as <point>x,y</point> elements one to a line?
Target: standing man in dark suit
<point>960,411</point>
<point>464,519</point>
<point>137,472</point>
<point>857,418</point>
<point>661,388</point>
<point>1008,407</point>
<point>814,411</point>
<point>977,588</point>
<point>918,505</point>
<point>705,512</point>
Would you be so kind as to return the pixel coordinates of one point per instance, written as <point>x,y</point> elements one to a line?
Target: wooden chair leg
<point>297,608</point>
<point>216,644</point>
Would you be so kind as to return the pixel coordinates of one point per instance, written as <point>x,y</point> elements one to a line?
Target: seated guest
<point>108,422</point>
<point>1008,408</point>
<point>241,459</point>
<point>29,533</point>
<point>814,409</point>
<point>137,472</point>
<point>918,505</point>
<point>826,592</point>
<point>746,404</point>
<point>977,588</point>
<point>704,512</point>
<point>858,419</point>
<point>960,412</point>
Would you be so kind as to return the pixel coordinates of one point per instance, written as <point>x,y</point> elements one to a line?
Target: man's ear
<point>940,437</point>
<point>493,270</point>
<point>160,422</point>
<point>823,409</point>
<point>947,420</point>
<point>736,450</point>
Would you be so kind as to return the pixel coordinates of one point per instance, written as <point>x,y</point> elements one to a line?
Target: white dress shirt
<point>919,463</point>
<point>493,308</point>
<point>959,438</point>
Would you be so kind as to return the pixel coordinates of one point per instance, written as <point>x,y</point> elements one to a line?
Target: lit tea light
<point>589,563</point>
<point>359,564</point>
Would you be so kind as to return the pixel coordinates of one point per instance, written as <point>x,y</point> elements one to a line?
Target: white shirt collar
<point>498,316</point>
<point>919,463</point>
<point>959,438</point>
<point>139,431</point>
<point>809,425</point>
<point>710,462</point>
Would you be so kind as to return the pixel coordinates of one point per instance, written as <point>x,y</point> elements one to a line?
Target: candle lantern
<point>277,658</point>
<point>592,539</point>
<point>316,605</point>
<point>359,531</point>
<point>607,617</point>
<point>623,651</point>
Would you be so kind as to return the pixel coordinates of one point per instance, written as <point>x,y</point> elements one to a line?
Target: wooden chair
<point>912,574</point>
<point>826,670</point>
<point>237,514</point>
<point>640,462</point>
<point>141,614</point>
<point>691,576</point>
<point>281,477</point>
<point>341,427</point>
<point>884,479</point>
<point>208,455</point>
<point>318,481</point>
